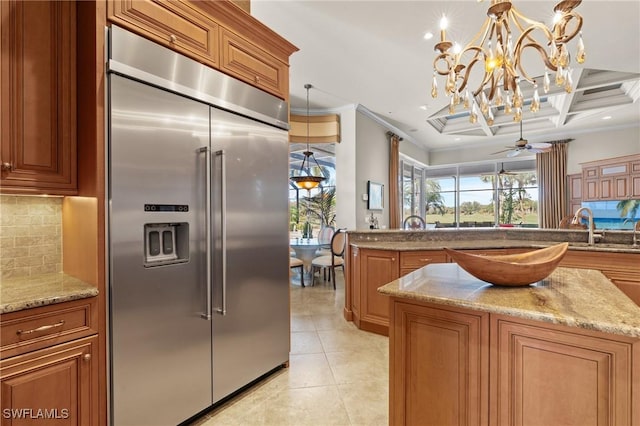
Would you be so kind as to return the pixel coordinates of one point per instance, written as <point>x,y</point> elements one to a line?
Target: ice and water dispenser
<point>166,243</point>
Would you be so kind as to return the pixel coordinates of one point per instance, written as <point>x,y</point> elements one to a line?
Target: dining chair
<point>413,222</point>
<point>294,262</point>
<point>324,239</point>
<point>335,259</point>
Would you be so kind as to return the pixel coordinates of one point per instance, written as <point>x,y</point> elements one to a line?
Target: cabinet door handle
<point>87,357</point>
<point>257,79</point>
<point>425,260</point>
<point>43,328</point>
<point>173,38</point>
<point>7,167</point>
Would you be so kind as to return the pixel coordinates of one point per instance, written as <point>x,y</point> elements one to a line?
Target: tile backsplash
<point>30,235</point>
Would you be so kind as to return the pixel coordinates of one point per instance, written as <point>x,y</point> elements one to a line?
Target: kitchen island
<point>565,350</point>
<point>375,258</point>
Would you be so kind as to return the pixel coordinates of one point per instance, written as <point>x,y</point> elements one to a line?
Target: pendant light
<point>305,179</point>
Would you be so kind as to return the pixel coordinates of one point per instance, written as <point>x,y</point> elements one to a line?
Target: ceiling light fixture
<point>305,179</point>
<point>499,53</point>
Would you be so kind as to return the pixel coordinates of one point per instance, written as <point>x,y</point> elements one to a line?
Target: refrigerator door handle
<point>222,310</point>
<point>207,314</point>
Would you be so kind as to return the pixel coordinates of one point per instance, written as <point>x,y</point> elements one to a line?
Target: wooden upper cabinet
<point>217,33</point>
<point>174,24</point>
<point>38,97</point>
<point>612,179</point>
<point>246,61</point>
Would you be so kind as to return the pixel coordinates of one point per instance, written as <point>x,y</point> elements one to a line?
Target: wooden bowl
<point>511,269</point>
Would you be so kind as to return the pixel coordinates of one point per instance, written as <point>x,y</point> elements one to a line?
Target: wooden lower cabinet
<point>623,269</point>
<point>459,366</point>
<point>49,370</point>
<point>56,385</point>
<point>545,375</point>
<point>439,361</point>
<point>412,260</point>
<point>377,268</point>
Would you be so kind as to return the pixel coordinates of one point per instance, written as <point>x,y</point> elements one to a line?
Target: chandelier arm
<point>448,59</point>
<point>559,32</point>
<point>532,25</point>
<point>475,59</point>
<point>304,160</point>
<point>519,47</point>
<point>318,164</point>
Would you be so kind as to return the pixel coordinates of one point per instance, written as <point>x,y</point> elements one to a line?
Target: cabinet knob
<point>7,167</point>
<point>257,79</point>
<point>87,357</point>
<point>173,38</point>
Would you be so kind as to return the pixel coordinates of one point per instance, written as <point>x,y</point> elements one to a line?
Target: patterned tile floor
<point>338,375</point>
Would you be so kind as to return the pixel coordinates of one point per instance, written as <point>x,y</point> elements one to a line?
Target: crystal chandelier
<point>497,49</point>
<point>305,179</point>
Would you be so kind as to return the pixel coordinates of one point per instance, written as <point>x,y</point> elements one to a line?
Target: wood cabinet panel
<point>623,269</point>
<point>591,189</point>
<point>544,375</point>
<point>377,268</point>
<point>612,179</point>
<point>62,379</point>
<point>38,97</point>
<point>590,172</point>
<point>246,61</point>
<point>174,24</point>
<point>28,330</point>
<point>412,260</point>
<point>634,186</point>
<point>439,366</point>
<point>574,198</point>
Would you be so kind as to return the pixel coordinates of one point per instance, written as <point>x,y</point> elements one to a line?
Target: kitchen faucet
<point>576,221</point>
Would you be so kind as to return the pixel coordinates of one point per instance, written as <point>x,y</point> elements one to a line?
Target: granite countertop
<point>582,298</point>
<point>30,292</point>
<point>486,244</point>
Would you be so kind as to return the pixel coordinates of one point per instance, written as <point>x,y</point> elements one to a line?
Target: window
<point>313,209</point>
<point>474,195</point>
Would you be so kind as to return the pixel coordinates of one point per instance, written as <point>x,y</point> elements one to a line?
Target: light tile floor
<point>337,375</point>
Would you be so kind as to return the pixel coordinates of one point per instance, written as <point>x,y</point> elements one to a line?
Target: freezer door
<point>251,295</point>
<point>160,345</point>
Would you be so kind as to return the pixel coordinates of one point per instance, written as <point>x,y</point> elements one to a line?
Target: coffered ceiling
<point>373,53</point>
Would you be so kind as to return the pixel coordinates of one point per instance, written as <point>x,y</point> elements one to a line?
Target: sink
<point>511,269</point>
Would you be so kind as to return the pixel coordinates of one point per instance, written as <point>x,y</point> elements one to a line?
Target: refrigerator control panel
<point>166,243</point>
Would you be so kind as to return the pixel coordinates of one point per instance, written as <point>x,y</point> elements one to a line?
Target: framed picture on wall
<point>375,196</point>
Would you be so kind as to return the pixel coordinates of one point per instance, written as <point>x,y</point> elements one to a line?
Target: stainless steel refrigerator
<point>198,246</point>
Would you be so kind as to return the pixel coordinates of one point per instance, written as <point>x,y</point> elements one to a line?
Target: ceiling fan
<point>524,145</point>
<point>505,172</point>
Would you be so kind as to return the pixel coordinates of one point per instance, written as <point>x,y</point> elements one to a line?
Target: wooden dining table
<point>305,249</point>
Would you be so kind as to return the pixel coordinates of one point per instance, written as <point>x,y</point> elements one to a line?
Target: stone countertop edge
<point>484,244</point>
<point>581,298</point>
<point>21,293</point>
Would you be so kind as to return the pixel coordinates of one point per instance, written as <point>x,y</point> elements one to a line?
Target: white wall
<point>346,194</point>
<point>585,147</point>
<point>372,164</point>
<point>598,146</point>
<point>414,151</point>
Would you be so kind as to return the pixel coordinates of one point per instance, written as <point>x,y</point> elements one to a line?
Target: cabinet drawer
<point>415,260</point>
<point>173,24</point>
<point>249,63</point>
<point>589,172</point>
<point>32,329</point>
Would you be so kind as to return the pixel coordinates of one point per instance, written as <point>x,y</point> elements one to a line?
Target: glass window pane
<point>518,199</point>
